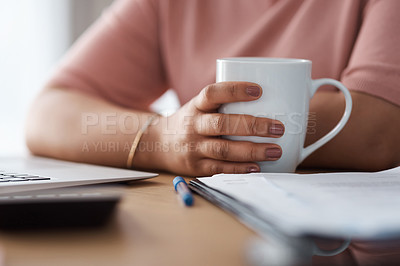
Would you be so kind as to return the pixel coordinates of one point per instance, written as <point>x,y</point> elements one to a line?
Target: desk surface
<point>150,228</point>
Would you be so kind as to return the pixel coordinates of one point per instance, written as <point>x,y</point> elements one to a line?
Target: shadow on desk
<point>80,246</point>
<point>142,184</point>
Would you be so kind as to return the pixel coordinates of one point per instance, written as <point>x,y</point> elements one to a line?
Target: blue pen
<point>182,188</point>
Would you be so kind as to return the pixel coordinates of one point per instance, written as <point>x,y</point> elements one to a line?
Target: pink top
<point>140,48</point>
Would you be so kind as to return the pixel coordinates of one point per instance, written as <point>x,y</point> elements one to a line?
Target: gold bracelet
<point>135,142</point>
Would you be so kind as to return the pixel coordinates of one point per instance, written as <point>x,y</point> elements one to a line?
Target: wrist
<point>148,153</point>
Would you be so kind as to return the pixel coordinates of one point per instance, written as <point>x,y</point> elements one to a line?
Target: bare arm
<point>73,126</point>
<point>370,139</point>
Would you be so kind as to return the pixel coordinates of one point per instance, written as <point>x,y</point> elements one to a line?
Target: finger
<point>212,96</point>
<point>240,151</point>
<point>212,167</point>
<point>238,125</point>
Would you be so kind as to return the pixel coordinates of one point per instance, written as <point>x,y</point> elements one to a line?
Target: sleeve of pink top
<point>118,58</point>
<point>374,66</point>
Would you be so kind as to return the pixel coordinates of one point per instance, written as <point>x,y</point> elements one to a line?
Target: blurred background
<point>34,35</point>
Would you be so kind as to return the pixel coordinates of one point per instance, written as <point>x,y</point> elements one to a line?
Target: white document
<point>356,205</point>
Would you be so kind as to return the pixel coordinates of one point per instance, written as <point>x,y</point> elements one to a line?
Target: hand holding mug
<point>192,135</point>
<point>287,90</point>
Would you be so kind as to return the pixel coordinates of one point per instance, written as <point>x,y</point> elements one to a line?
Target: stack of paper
<point>356,205</point>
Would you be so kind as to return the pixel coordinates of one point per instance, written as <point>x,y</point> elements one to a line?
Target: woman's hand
<point>189,142</point>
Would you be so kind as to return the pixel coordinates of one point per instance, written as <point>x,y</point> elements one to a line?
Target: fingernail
<point>277,130</point>
<point>253,91</point>
<point>252,169</point>
<point>273,153</point>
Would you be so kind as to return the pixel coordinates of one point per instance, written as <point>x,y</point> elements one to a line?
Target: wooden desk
<point>151,227</point>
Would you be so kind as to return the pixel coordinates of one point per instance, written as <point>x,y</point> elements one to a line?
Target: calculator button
<point>46,196</point>
<point>68,195</point>
<point>22,197</point>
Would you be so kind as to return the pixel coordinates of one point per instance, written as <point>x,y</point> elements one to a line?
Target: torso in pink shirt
<point>140,48</point>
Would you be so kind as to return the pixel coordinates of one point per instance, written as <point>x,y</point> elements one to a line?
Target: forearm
<point>73,126</point>
<point>369,141</point>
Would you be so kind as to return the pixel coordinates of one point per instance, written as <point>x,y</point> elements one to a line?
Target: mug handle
<point>327,253</point>
<point>315,84</point>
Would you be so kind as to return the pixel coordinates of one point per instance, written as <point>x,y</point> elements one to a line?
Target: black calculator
<point>80,206</point>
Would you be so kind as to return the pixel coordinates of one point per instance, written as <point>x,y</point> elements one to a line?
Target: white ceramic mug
<point>287,89</point>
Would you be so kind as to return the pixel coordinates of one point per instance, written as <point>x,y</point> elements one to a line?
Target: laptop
<point>19,174</point>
